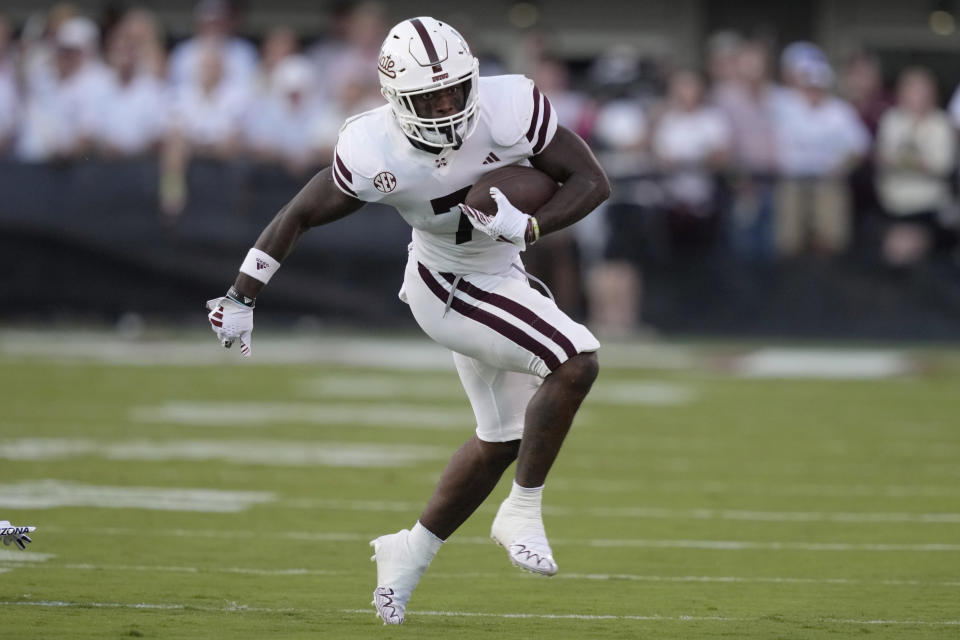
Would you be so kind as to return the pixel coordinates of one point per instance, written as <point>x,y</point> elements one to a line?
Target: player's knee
<point>500,454</point>
<point>580,371</point>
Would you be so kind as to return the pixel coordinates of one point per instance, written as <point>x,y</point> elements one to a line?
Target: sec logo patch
<point>385,181</point>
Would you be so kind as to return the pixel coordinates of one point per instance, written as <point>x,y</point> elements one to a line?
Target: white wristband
<point>259,266</point>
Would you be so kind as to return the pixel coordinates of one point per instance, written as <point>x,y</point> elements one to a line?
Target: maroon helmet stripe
<point>536,112</point>
<point>542,136</point>
<point>517,310</point>
<point>432,57</point>
<point>343,168</point>
<point>486,318</point>
<point>343,185</point>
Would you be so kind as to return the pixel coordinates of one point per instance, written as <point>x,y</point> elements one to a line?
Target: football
<point>527,188</point>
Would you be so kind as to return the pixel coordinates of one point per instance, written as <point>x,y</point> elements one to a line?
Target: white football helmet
<point>421,55</point>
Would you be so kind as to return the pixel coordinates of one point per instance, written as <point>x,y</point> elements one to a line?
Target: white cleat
<point>525,540</point>
<point>397,575</point>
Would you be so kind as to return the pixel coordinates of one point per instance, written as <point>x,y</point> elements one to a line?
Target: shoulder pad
<point>360,142</point>
<point>518,113</point>
<point>359,153</point>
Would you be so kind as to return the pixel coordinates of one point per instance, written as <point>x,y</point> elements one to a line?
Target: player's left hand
<point>509,224</point>
<point>16,535</point>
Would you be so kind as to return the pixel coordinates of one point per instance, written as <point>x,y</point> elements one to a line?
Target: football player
<point>525,365</point>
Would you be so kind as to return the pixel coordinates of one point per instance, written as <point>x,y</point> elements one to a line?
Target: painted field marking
<point>415,353</point>
<point>849,364</point>
<point>48,494</point>
<point>255,414</point>
<point>235,607</point>
<point>617,392</point>
<point>714,545</point>
<point>479,575</point>
<point>760,489</point>
<point>660,513</point>
<point>263,452</point>
<point>12,556</point>
<point>650,618</point>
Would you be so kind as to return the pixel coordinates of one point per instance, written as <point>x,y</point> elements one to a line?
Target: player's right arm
<point>319,202</point>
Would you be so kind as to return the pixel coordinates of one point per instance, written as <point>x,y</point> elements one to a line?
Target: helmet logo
<point>385,182</point>
<point>442,76</point>
<point>386,66</point>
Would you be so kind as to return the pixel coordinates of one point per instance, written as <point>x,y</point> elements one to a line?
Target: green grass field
<point>182,493</point>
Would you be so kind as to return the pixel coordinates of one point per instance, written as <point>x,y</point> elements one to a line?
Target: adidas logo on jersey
<point>491,158</point>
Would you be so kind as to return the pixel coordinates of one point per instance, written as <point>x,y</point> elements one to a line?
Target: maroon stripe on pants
<point>517,310</point>
<point>542,137</point>
<point>499,325</point>
<point>536,112</point>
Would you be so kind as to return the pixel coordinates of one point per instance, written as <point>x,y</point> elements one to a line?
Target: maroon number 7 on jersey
<point>448,203</point>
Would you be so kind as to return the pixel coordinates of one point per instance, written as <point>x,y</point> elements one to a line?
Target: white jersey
<point>375,162</point>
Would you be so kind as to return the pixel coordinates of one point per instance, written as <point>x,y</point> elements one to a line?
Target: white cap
<point>293,73</point>
<point>814,72</point>
<point>78,33</point>
<point>800,52</point>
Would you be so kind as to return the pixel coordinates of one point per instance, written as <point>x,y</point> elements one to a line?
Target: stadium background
<point>90,225</point>
<point>770,450</point>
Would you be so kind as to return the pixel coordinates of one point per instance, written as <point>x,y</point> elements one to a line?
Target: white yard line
<point>714,545</point>
<point>594,485</point>
<point>839,364</point>
<point>479,575</point>
<point>652,618</point>
<point>241,608</point>
<point>255,414</point>
<point>659,513</point>
<point>615,392</point>
<point>410,353</point>
<point>253,452</point>
<point>48,494</point>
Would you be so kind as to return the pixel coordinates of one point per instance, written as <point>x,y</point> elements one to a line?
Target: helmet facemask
<point>441,133</point>
<point>423,55</point>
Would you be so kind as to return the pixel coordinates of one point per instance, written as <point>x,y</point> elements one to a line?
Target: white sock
<point>423,544</point>
<point>526,498</point>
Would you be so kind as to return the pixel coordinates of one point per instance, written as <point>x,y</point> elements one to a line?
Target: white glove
<point>508,224</point>
<point>18,535</point>
<point>231,320</point>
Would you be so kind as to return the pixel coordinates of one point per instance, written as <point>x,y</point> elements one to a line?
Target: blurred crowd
<point>74,88</point>
<point>764,155</point>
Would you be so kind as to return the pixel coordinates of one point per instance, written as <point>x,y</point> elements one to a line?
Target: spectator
<point>691,141</point>
<point>861,83</point>
<point>146,37</point>
<point>575,110</point>
<point>555,259</point>
<point>213,23</point>
<point>750,104</point>
<point>794,56</point>
<point>9,97</point>
<point>820,139</point>
<point>279,125</point>
<point>723,61</point>
<point>352,50</point>
<point>38,44</point>
<point>610,240</point>
<point>63,102</point>
<point>133,115</point>
<point>206,121</point>
<point>279,44</point>
<point>916,151</point>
